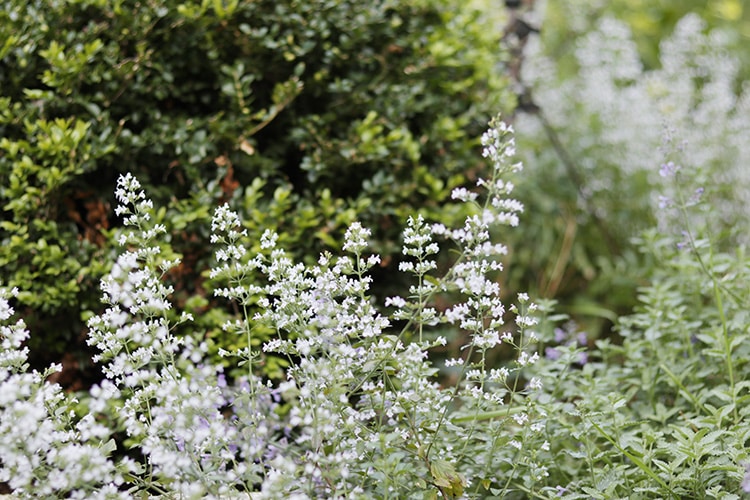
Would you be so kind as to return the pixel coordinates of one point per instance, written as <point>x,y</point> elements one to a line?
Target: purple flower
<point>746,480</point>
<point>582,339</point>
<point>583,358</point>
<point>668,169</point>
<point>696,197</point>
<point>664,202</point>
<point>560,335</point>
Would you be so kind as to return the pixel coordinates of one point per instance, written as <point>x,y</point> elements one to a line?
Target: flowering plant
<point>362,410</point>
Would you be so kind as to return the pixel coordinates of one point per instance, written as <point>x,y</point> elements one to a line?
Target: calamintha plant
<point>661,410</point>
<point>362,411</point>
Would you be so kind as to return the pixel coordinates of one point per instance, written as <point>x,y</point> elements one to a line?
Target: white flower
<point>524,359</point>
<point>499,374</point>
<point>463,194</point>
<point>521,418</point>
<point>395,302</point>
<point>268,240</point>
<point>355,238</point>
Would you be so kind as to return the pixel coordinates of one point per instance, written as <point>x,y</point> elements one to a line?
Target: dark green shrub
<point>302,115</point>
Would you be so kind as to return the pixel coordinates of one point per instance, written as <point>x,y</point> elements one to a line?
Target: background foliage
<point>602,84</point>
<point>301,115</point>
<point>305,116</point>
<point>304,122</point>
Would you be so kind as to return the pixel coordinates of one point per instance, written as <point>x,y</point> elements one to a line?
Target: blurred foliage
<point>650,21</point>
<point>304,116</point>
<point>585,199</point>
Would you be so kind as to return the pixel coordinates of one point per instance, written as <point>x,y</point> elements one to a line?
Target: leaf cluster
<point>663,413</point>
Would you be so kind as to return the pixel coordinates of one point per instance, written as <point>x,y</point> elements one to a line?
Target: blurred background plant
<point>641,156</point>
<point>606,98</point>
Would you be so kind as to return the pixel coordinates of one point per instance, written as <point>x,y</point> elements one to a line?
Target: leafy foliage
<point>301,114</point>
<point>305,130</point>
<point>663,413</point>
<point>360,412</point>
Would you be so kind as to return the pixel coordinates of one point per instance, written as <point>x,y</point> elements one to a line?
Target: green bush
<point>301,115</point>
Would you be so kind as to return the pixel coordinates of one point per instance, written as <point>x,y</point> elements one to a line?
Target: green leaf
<point>445,476</point>
<point>108,447</point>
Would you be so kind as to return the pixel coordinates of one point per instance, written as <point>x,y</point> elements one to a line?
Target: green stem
<point>698,405</point>
<point>249,335</point>
<point>726,337</point>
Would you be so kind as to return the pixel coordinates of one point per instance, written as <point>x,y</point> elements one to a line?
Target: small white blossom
<point>535,383</point>
<point>395,302</point>
<point>521,418</point>
<point>463,194</point>
<point>355,239</point>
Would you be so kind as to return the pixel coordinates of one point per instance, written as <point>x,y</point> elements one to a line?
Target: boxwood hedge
<point>302,115</point>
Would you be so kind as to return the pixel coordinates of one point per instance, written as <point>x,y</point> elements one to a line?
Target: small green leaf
<point>445,477</point>
<point>109,447</point>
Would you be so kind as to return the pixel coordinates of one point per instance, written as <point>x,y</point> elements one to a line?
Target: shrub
<point>300,114</point>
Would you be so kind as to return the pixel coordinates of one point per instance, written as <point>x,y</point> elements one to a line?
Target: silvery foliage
<point>620,120</point>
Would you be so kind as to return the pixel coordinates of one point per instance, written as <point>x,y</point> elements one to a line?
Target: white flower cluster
<point>360,405</point>
<point>611,116</point>
<point>354,390</point>
<point>482,313</point>
<point>418,244</point>
<point>328,322</point>
<point>174,415</point>
<point>43,453</point>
